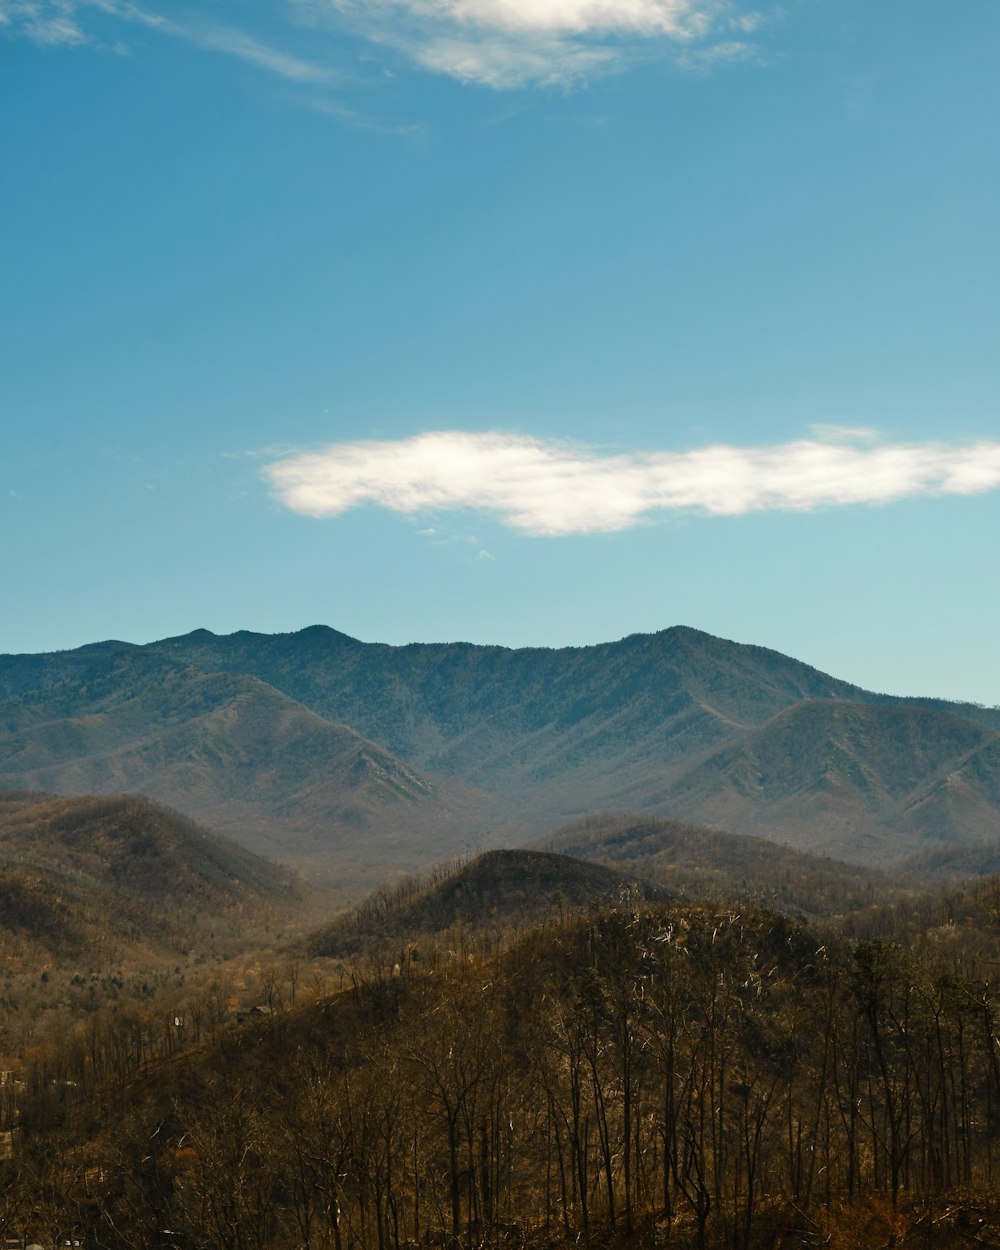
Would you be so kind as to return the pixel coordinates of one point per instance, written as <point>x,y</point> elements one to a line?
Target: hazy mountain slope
<point>229,750</point>
<point>562,733</point>
<point>249,733</point>
<point>711,863</point>
<point>964,801</point>
<point>78,873</point>
<point>866,783</point>
<point>497,890</point>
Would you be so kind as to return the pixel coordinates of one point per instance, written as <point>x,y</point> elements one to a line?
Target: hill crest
<point>500,889</point>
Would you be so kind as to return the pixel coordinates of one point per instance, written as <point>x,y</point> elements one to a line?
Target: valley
<point>673,942</point>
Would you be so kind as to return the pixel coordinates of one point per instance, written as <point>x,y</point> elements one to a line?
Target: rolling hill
<point>87,875</point>
<point>499,890</point>
<point>704,863</point>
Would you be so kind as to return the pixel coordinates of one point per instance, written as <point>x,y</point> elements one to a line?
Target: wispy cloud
<point>50,23</point>
<point>244,47</point>
<point>544,487</point>
<point>747,23</point>
<point>360,121</point>
<point>502,44</point>
<point>64,22</point>
<point>514,43</point>
<point>723,52</point>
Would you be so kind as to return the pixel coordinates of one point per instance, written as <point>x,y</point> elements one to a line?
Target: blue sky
<point>518,321</point>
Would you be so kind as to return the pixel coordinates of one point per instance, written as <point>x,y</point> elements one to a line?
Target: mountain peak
<point>182,640</point>
<point>325,634</point>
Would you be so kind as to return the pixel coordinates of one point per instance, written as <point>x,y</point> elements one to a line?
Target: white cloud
<point>678,18</point>
<point>504,63</point>
<point>544,487</point>
<point>513,43</point>
<point>501,44</point>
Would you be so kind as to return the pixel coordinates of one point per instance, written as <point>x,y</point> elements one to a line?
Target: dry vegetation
<point>117,907</point>
<point>670,1074</point>
<point>501,891</point>
<point>733,868</point>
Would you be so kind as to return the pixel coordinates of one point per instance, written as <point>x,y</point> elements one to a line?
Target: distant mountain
<point>498,890</point>
<point>230,750</point>
<point>80,875</point>
<point>422,700</point>
<point>314,744</point>
<point>566,726</point>
<point>704,863</point>
<point>866,783</point>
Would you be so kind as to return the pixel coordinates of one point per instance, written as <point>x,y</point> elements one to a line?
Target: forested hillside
<point>736,868</point>
<point>666,1074</point>
<point>116,906</point>
<point>124,865</point>
<point>497,891</point>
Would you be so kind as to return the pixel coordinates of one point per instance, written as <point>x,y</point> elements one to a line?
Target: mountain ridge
<point>454,746</point>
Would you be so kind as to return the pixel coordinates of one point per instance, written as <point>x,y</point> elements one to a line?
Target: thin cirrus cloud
<point>502,44</point>
<point>549,488</point>
<point>70,23</point>
<point>507,44</point>
<point>237,43</point>
<point>50,24</point>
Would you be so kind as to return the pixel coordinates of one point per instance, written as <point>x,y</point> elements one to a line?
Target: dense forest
<point>653,1073</point>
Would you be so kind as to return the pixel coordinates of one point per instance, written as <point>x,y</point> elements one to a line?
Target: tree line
<point>672,1075</point>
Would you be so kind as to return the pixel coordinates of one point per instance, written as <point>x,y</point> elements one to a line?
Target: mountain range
<point>318,748</point>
